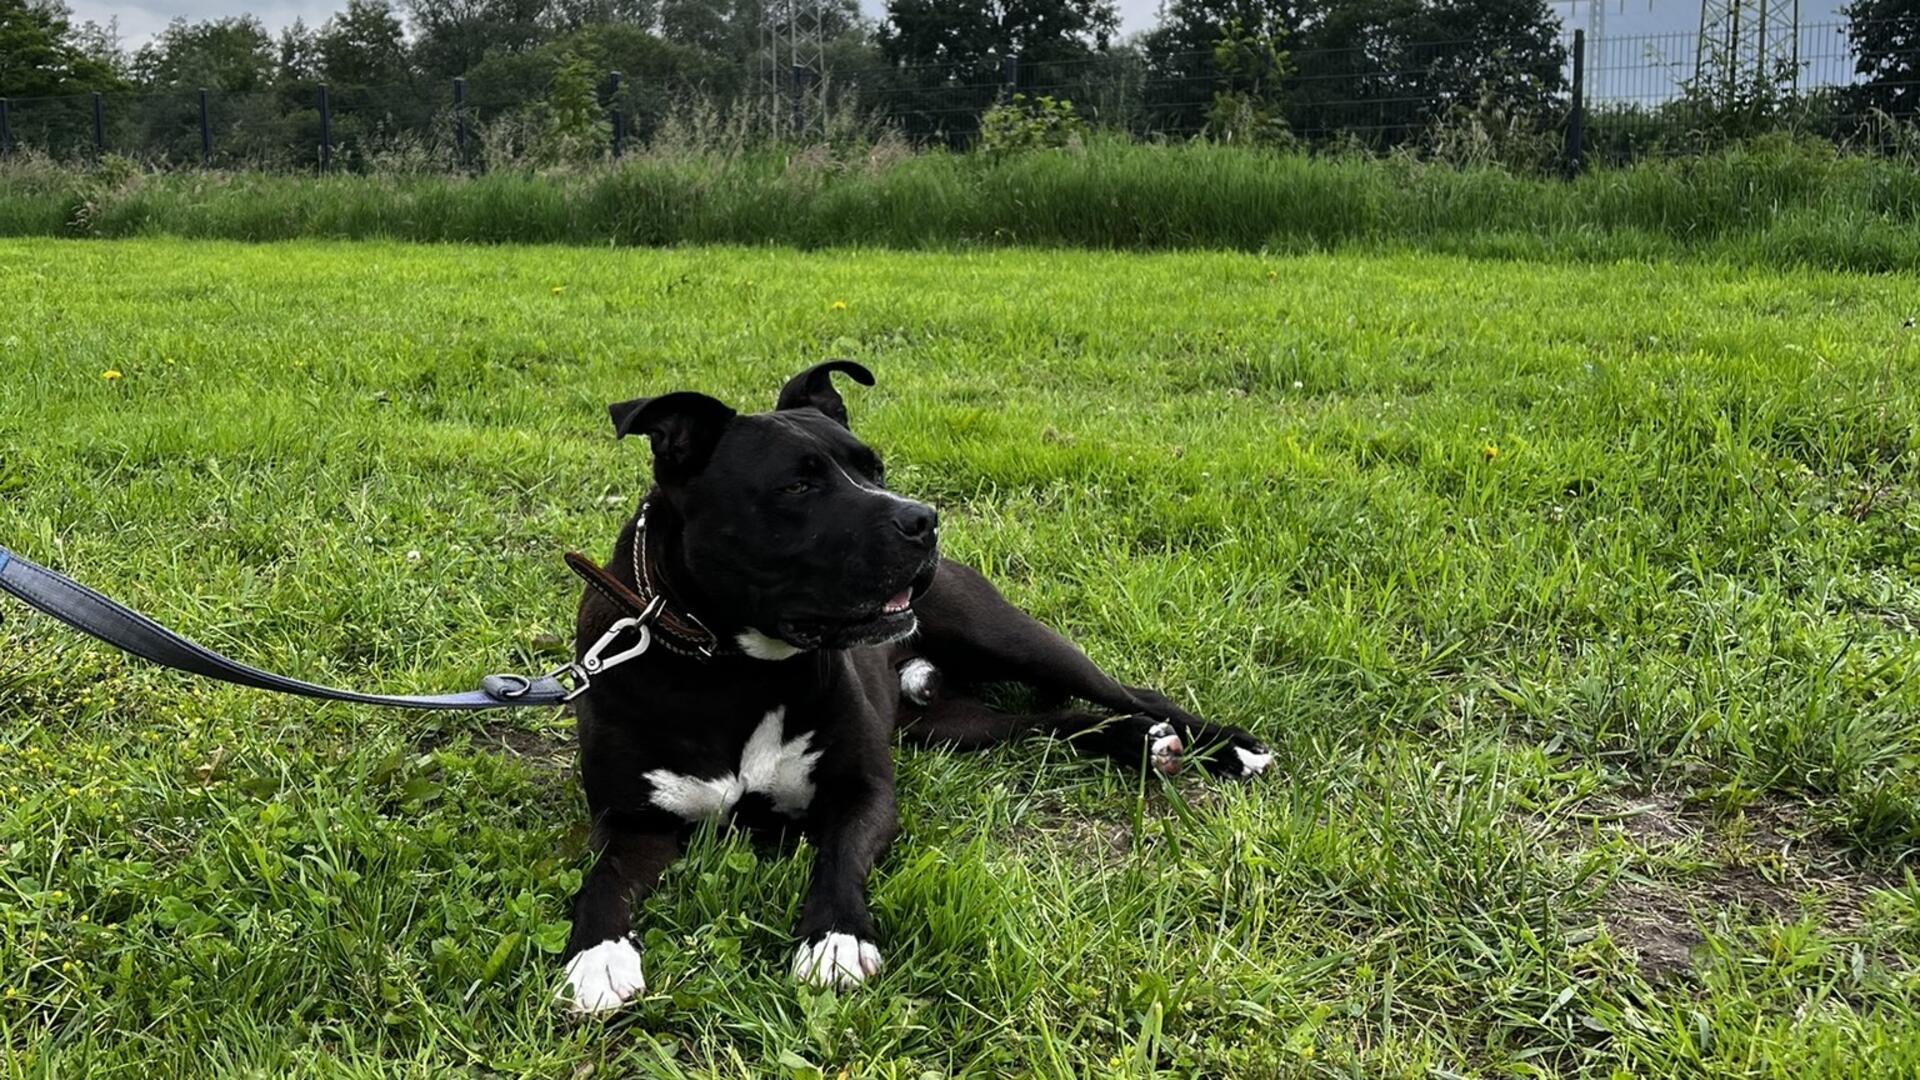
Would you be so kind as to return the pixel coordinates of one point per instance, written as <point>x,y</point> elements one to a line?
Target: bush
<point>1021,124</point>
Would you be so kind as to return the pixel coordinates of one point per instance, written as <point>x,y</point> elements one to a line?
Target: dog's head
<point>785,522</point>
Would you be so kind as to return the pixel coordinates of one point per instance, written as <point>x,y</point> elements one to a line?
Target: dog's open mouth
<point>891,620</point>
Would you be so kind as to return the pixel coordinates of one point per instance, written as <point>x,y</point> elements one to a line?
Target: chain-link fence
<point>1609,100</point>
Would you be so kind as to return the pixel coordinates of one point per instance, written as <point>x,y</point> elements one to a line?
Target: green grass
<point>1578,602</point>
<point>1769,203</point>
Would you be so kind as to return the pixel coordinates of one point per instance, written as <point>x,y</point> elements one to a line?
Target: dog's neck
<point>648,559</point>
<point>653,556</point>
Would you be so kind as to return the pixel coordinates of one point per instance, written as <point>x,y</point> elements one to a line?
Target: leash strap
<point>93,614</point>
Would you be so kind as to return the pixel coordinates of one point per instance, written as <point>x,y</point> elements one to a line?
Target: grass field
<point>1578,602</point>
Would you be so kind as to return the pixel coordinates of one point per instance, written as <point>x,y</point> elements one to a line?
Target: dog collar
<point>678,630</point>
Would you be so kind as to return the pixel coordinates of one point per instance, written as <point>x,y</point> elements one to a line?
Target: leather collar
<point>672,625</point>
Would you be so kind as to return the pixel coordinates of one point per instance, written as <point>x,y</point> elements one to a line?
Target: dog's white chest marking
<point>765,646</point>
<point>770,764</point>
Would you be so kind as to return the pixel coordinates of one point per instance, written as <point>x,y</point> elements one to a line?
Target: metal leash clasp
<point>593,662</point>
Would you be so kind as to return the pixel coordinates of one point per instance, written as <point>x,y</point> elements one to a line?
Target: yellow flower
<point>1490,451</point>
<point>837,305</point>
<point>558,289</point>
<point>110,375</point>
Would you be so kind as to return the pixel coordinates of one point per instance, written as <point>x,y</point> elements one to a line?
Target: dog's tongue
<point>901,602</point>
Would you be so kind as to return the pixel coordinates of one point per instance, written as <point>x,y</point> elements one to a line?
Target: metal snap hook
<point>593,663</point>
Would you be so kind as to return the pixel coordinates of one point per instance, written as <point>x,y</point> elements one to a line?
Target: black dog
<point>798,613</point>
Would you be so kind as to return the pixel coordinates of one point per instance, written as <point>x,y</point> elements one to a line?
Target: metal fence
<point>1613,99</point>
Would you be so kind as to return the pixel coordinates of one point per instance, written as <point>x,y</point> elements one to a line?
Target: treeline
<point>1378,73</point>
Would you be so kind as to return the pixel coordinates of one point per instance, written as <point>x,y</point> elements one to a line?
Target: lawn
<point>1578,602</point>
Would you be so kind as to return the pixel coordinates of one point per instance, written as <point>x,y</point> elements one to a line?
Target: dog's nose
<point>916,521</point>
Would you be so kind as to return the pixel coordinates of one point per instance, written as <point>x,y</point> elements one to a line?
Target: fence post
<point>326,131</point>
<point>1577,119</point>
<point>6,130</point>
<point>460,120</point>
<point>1010,71</point>
<point>99,127</point>
<point>619,118</point>
<point>206,133</point>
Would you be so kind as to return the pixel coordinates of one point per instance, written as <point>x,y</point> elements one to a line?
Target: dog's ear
<point>683,428</point>
<point>814,388</point>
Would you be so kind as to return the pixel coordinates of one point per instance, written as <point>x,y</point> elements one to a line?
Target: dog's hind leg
<point>603,967</point>
<point>970,632</point>
<point>967,723</point>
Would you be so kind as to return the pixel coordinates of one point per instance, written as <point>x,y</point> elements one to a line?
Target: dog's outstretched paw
<point>603,978</point>
<point>1163,748</point>
<point>1232,754</point>
<point>1253,760</point>
<point>836,960</point>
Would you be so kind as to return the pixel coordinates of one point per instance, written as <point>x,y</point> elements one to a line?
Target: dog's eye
<point>798,487</point>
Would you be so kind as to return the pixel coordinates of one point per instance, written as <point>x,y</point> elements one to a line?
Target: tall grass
<point>1772,201</point>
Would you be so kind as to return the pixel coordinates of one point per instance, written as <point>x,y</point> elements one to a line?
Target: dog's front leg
<point>851,830</point>
<point>603,966</point>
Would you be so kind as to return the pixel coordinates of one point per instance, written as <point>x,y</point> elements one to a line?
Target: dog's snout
<point>916,521</point>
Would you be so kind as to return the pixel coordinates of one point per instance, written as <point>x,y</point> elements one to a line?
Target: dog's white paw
<point>838,960</point>
<point>918,680</point>
<point>1163,748</point>
<point>602,978</point>
<point>1252,762</point>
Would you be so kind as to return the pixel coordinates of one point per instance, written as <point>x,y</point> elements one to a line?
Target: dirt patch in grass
<point>1092,838</point>
<point>542,749</point>
<point>1767,862</point>
<point>1100,841</point>
<point>548,749</point>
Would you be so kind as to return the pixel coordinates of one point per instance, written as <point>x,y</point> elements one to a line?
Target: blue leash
<point>90,613</point>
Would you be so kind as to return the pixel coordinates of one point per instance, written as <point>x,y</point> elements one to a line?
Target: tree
<point>41,54</point>
<point>451,36</point>
<point>1191,28</point>
<point>299,53</point>
<point>727,28</point>
<point>656,71</point>
<point>232,54</point>
<point>362,46</point>
<point>1387,69</point>
<point>574,127</point>
<point>566,15</point>
<point>1249,70</point>
<point>1886,48</point>
<point>952,51</point>
<point>101,44</point>
<point>1183,52</point>
<point>971,36</point>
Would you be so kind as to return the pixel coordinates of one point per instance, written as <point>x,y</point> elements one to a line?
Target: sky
<point>141,19</point>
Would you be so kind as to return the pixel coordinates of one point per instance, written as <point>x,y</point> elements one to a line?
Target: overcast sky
<point>141,19</point>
